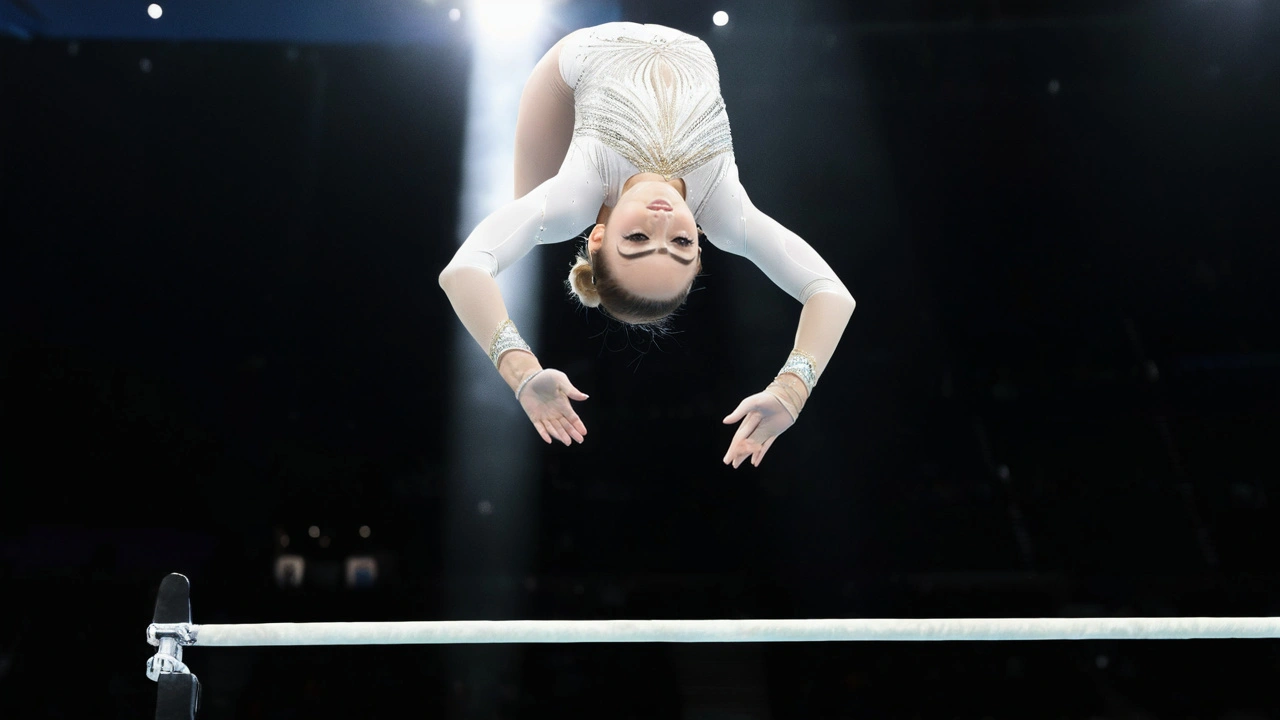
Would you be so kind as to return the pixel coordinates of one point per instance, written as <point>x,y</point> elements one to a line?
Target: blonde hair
<point>582,282</point>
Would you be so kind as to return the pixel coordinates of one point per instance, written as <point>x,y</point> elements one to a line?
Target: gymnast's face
<point>651,241</point>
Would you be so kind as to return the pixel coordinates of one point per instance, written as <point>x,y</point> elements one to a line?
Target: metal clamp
<point>165,664</point>
<point>184,633</point>
<point>169,638</point>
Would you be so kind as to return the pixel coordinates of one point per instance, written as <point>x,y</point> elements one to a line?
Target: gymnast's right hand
<point>545,399</point>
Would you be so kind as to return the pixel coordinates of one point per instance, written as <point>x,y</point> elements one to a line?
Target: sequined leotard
<point>647,99</point>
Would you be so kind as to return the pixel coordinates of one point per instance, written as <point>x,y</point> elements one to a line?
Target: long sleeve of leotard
<point>552,212</point>
<point>735,225</point>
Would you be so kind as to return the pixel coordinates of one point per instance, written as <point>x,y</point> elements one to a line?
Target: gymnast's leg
<point>544,125</point>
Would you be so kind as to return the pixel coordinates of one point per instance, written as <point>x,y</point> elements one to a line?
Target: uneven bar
<point>696,631</point>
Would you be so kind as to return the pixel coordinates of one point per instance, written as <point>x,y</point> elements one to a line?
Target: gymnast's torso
<point>647,100</point>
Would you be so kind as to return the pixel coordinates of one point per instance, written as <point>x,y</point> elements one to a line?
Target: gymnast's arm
<point>554,211</point>
<point>733,223</point>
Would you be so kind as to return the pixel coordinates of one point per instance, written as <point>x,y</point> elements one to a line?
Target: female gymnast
<point>623,125</point>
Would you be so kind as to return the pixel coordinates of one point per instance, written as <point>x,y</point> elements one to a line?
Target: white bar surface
<point>696,631</point>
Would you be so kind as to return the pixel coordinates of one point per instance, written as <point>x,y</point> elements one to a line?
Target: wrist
<point>795,384</point>
<point>791,392</point>
<point>517,365</point>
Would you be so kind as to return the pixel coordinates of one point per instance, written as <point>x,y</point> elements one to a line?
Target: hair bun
<point>581,282</point>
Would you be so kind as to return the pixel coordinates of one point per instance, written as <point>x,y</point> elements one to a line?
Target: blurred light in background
<point>364,531</point>
<point>361,572</point>
<point>155,11</point>
<point>507,19</point>
<point>721,18</point>
<point>455,14</point>
<point>493,463</point>
<point>290,571</point>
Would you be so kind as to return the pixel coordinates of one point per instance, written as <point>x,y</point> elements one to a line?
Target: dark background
<point>220,325</point>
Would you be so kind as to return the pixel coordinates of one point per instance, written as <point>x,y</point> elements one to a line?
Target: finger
<point>557,433</point>
<point>731,453</point>
<point>758,456</point>
<point>748,426</point>
<point>552,430</point>
<point>575,394</point>
<point>735,449</point>
<point>569,428</point>
<point>563,432</point>
<point>572,419</point>
<point>542,431</point>
<point>737,414</point>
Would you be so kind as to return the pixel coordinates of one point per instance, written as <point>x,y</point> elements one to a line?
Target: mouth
<point>659,205</point>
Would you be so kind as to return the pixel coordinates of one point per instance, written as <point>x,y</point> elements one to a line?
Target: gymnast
<point>622,125</point>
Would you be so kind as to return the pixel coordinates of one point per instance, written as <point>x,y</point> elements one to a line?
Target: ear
<point>595,241</point>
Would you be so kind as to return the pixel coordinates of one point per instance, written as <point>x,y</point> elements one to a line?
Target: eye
<point>641,237</point>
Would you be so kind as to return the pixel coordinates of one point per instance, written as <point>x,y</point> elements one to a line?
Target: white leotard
<point>647,99</point>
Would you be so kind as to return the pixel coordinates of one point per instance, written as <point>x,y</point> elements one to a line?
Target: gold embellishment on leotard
<point>656,102</point>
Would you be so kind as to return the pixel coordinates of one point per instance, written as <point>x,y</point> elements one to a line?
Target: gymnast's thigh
<point>544,125</point>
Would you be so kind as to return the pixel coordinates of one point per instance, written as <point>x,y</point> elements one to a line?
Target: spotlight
<point>455,14</point>
<point>721,18</point>
<point>155,11</point>
<point>509,19</point>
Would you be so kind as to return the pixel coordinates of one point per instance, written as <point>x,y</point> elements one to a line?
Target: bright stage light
<point>155,11</point>
<point>720,18</point>
<point>455,14</point>
<point>507,18</point>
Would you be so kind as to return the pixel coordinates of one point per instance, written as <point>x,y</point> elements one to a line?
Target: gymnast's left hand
<point>763,419</point>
